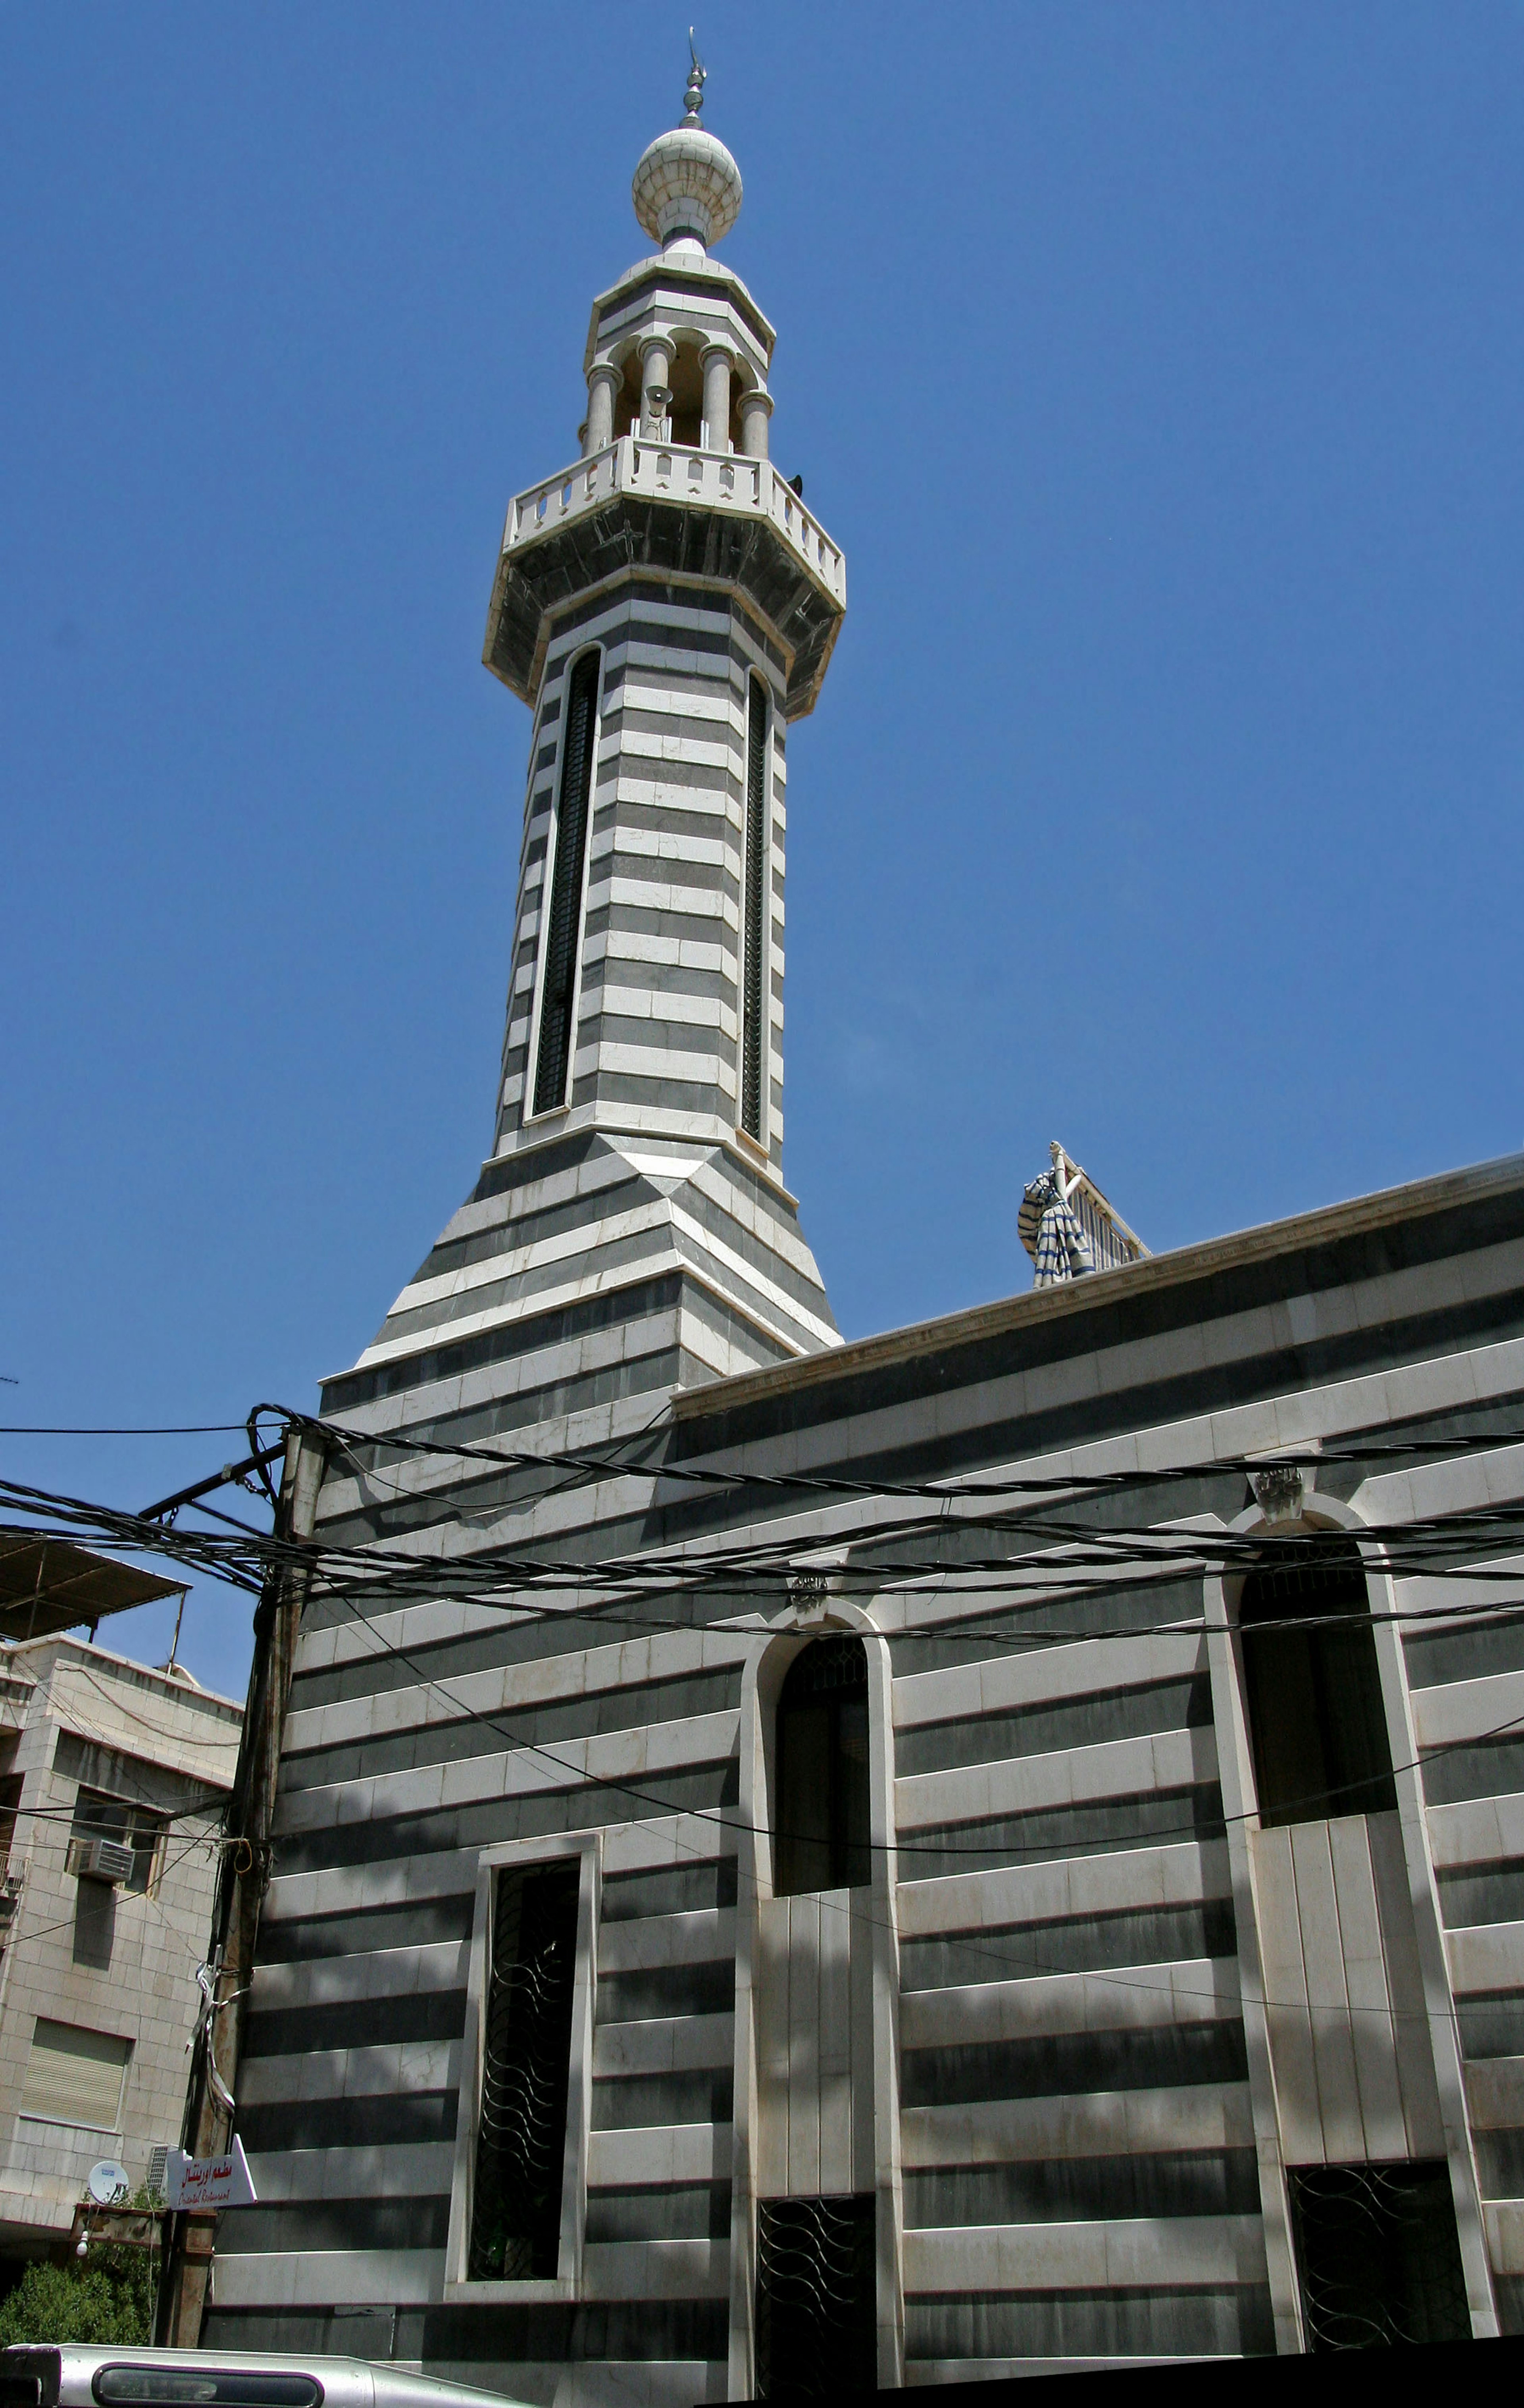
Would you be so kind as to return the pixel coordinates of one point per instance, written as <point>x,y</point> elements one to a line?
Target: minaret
<point>667,607</point>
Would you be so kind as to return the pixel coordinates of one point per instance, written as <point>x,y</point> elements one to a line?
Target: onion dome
<point>687,186</point>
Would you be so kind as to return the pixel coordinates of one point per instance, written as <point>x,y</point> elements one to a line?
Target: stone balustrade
<point>672,472</point>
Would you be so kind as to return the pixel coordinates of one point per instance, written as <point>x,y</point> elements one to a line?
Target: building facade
<point>991,1848</point>
<point>113,1783</point>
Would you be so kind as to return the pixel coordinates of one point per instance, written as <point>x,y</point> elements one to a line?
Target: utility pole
<point>242,1879</point>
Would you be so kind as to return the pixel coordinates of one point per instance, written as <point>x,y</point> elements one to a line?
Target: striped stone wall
<point>1084,2168</point>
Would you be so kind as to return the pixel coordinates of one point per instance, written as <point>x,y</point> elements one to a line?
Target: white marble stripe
<point>1478,1831</point>
<point>386,2070</point>
<point>1070,1776</point>
<point>1118,2123</point>
<point>659,2153</point>
<point>663,2044</point>
<point>278,2278</point>
<point>1493,1704</point>
<point>636,1758</point>
<point>1147,2253</point>
<point>1487,1957</point>
<point>1176,1874</point>
<point>380,1973</point>
<point>655,2269</point>
<point>962,1691</point>
<point>1202,1989</point>
<point>392,2169</point>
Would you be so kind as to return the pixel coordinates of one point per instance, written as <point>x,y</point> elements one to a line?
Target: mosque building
<point>986,1848</point>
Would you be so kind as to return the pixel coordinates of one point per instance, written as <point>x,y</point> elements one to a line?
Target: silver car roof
<point>347,2382</point>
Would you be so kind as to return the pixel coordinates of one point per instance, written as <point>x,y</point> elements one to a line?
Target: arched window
<point>821,1824</point>
<point>1313,1691</point>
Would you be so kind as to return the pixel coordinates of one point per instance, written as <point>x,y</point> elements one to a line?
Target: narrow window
<point>1313,1692</point>
<point>563,911</point>
<point>753,950</point>
<point>1377,2255</point>
<point>816,2305</point>
<point>821,1827</point>
<point>522,2135</point>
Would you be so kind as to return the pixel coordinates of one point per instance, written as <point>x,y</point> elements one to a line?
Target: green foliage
<point>106,2298</point>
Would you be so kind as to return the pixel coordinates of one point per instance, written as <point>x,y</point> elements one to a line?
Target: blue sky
<point>1160,370</point>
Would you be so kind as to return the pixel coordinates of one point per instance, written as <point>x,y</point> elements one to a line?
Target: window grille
<point>821,1825</point>
<point>753,950</point>
<point>1378,2257</point>
<point>563,911</point>
<point>1313,1690</point>
<point>522,2134</point>
<point>816,2300</point>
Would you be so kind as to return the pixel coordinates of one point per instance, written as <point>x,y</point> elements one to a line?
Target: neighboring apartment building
<point>112,1780</point>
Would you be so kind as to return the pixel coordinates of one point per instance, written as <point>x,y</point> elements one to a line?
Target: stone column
<point>656,393</point>
<point>755,410</point>
<point>602,385</point>
<point>715,363</point>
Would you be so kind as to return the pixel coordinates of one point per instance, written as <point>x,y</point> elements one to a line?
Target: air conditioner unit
<point>105,1860</point>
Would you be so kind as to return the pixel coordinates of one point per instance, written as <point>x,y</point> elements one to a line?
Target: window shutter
<point>75,2076</point>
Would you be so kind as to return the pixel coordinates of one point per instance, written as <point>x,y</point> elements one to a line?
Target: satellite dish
<point>109,2183</point>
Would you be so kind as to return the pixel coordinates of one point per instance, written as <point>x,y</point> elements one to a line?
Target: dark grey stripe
<point>1085,2191</point>
<point>1490,2022</point>
<point>640,1706</point>
<point>1465,1653</point>
<point>1500,2163</point>
<point>1042,1729</point>
<point>586,1209</point>
<point>1484,1768</point>
<point>334,2224</point>
<point>366,2122</point>
<point>605,1254</point>
<point>1058,1621</point>
<point>521,1410</point>
<point>356,2022</point>
<point>562,2335</point>
<point>672,1889</point>
<point>1199,2321</point>
<point>664,2212</point>
<point>414,1923</point>
<point>1098,1827</point>
<point>640,2101</point>
<point>707,1989</point>
<point>699,877</point>
<point>655,1036</point>
<point>497,2337</point>
<point>1470,1894</point>
<point>1076,1944</point>
<point>579,1808</point>
<point>527,1336</point>
<point>1054,2065</point>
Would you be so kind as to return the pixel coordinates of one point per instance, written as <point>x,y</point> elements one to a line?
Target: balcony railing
<point>671,472</point>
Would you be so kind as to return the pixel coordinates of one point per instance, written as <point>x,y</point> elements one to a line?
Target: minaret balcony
<point>719,517</point>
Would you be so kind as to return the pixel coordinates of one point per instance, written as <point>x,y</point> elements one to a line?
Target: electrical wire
<point>898,1848</point>
<point>130,1530</point>
<point>144,1429</point>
